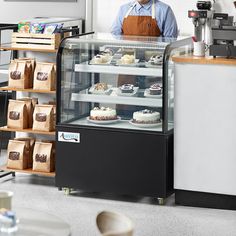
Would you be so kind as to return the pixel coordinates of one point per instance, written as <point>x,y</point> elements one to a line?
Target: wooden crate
<point>36,41</point>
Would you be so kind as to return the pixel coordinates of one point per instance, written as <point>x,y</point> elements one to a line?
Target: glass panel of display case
<point>116,82</point>
<point>175,49</point>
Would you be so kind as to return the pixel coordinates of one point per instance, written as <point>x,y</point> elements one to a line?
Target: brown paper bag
<point>54,111</point>
<point>19,74</point>
<point>17,116</point>
<point>31,142</point>
<point>18,153</point>
<point>45,76</point>
<point>43,157</point>
<point>29,105</point>
<point>43,118</point>
<point>33,64</point>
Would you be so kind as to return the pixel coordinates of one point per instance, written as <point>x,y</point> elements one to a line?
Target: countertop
<point>203,60</point>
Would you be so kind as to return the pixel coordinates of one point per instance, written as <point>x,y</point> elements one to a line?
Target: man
<point>145,18</point>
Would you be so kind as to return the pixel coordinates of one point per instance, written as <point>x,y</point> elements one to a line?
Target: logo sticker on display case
<point>69,137</point>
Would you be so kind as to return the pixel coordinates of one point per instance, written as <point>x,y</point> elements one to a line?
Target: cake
<point>127,88</point>
<point>127,59</point>
<point>101,58</point>
<point>156,60</point>
<point>146,117</point>
<point>100,87</point>
<point>155,89</point>
<point>103,113</point>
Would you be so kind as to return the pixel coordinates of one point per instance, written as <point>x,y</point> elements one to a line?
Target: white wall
<point>15,11</point>
<point>106,10</point>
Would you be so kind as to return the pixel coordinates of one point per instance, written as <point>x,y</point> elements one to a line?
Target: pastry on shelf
<point>101,87</point>
<point>155,89</point>
<point>156,60</point>
<point>127,88</point>
<point>146,117</point>
<point>103,114</point>
<point>127,59</point>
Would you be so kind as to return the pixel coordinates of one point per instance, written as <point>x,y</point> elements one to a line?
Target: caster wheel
<point>161,201</point>
<point>60,189</point>
<point>68,191</point>
<point>13,174</point>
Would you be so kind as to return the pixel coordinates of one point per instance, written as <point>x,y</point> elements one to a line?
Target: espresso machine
<point>224,36</point>
<point>202,21</point>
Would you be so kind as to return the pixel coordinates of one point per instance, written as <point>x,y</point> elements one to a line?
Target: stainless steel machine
<point>202,21</point>
<point>224,36</point>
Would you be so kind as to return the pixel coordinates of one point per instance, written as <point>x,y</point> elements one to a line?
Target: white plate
<point>93,91</point>
<point>103,122</point>
<point>119,93</point>
<point>148,95</point>
<point>145,125</point>
<point>149,65</point>
<point>118,63</point>
<point>92,62</point>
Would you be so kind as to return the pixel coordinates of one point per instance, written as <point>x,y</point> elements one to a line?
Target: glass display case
<point>115,107</point>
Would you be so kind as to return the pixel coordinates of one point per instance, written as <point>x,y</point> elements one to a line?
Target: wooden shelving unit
<point>29,171</point>
<point>32,48</point>
<point>6,88</point>
<point>6,129</point>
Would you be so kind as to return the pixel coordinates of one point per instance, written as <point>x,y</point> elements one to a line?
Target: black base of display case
<point>207,200</point>
<point>116,161</point>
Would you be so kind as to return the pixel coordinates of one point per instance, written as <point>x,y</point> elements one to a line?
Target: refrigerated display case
<point>115,101</point>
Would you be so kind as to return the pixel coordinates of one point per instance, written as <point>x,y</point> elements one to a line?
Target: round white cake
<point>127,59</point>
<point>103,113</point>
<point>146,117</point>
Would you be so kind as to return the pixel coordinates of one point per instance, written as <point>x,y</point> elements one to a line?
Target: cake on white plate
<point>127,88</point>
<point>101,59</point>
<point>127,59</point>
<point>103,113</point>
<point>156,60</point>
<point>146,117</point>
<point>155,89</point>
<point>101,87</point>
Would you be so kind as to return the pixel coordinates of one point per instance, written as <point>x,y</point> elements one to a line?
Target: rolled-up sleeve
<point>170,28</point>
<point>117,24</point>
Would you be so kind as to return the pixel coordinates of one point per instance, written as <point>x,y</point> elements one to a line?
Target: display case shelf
<point>126,70</point>
<point>122,124</point>
<point>6,88</point>
<point>6,129</point>
<point>29,171</point>
<point>113,98</point>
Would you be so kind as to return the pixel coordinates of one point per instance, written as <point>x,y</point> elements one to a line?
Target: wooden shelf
<point>29,171</point>
<point>8,46</point>
<point>5,128</point>
<point>6,88</point>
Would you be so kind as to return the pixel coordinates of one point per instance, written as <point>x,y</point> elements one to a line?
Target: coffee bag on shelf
<point>45,76</point>
<point>54,111</point>
<point>33,64</point>
<point>18,154</point>
<point>31,142</point>
<point>29,105</point>
<point>43,118</point>
<point>19,74</point>
<point>17,115</point>
<point>43,158</point>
